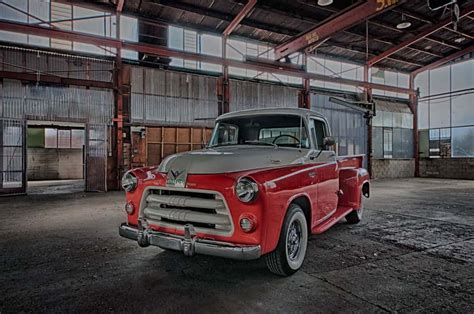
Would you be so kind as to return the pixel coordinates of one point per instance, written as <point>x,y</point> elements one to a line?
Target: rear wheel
<point>289,255</point>
<point>355,216</point>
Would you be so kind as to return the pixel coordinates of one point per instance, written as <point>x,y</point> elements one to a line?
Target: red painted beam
<point>432,29</point>
<point>275,67</point>
<point>242,14</point>
<point>444,60</point>
<point>350,17</point>
<point>120,4</point>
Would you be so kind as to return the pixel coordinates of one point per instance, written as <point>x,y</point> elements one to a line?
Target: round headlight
<point>246,189</point>
<point>129,182</point>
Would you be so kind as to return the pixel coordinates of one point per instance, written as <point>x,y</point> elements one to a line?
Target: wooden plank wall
<point>159,142</point>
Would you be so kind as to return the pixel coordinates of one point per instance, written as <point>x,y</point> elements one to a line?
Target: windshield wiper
<point>261,143</point>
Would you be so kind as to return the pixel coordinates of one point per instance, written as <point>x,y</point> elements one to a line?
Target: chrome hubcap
<point>293,241</point>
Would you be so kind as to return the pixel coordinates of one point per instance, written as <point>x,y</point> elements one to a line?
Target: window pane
<point>424,145</point>
<point>440,80</point>
<point>463,142</point>
<point>440,116</point>
<point>377,142</point>
<point>463,110</point>
<point>211,45</point>
<point>64,138</point>
<point>397,119</point>
<point>387,143</point>
<point>423,116</point>
<point>387,118</point>
<point>77,138</point>
<point>50,138</point>
<point>421,82</point>
<point>175,37</point>
<point>463,75</point>
<point>397,143</point>
<point>407,121</point>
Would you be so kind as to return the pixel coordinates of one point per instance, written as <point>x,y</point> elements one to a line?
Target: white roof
<point>269,111</point>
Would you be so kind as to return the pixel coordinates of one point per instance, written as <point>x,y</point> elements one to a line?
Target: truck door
<point>327,173</point>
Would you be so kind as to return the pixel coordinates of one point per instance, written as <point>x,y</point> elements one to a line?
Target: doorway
<point>55,157</point>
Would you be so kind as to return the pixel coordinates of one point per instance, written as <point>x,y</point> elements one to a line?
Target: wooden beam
<point>242,14</point>
<point>430,30</point>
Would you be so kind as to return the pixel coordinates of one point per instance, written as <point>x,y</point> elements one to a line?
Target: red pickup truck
<point>267,179</point>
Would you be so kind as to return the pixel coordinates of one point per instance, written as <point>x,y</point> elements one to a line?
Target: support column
<point>304,95</point>
<point>223,86</point>
<point>368,98</point>
<point>416,137</point>
<point>119,106</point>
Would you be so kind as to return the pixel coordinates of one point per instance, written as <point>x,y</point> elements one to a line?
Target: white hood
<point>232,159</point>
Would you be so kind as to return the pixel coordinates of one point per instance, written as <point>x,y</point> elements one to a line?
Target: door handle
<point>312,174</point>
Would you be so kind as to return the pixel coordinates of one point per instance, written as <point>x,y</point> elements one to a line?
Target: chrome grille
<point>173,208</point>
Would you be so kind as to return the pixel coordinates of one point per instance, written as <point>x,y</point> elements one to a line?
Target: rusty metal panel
<point>173,98</point>
<point>348,126</point>
<point>251,95</point>
<point>55,103</point>
<point>63,65</point>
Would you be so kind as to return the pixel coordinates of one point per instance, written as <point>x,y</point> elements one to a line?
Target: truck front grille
<point>173,208</point>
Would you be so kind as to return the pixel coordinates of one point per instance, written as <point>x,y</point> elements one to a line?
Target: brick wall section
<point>393,168</point>
<point>449,168</point>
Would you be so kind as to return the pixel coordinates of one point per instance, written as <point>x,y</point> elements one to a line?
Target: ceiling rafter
<point>239,17</point>
<point>428,31</point>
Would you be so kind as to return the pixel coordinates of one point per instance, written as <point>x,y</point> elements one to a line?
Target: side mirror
<point>329,141</point>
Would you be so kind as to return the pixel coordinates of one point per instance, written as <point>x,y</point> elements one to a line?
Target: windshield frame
<point>304,125</point>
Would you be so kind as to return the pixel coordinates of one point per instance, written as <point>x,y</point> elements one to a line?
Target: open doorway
<point>55,157</point>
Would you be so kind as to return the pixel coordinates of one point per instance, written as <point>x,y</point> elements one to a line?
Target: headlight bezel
<point>129,182</point>
<point>246,189</point>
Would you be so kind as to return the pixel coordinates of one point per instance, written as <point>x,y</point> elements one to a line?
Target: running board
<point>340,213</point>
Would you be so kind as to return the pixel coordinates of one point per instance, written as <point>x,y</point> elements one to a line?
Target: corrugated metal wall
<point>172,98</point>
<point>248,95</point>
<point>348,126</point>
<point>55,103</point>
<point>15,59</point>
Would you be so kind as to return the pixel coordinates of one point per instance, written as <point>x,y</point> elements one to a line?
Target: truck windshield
<point>271,130</point>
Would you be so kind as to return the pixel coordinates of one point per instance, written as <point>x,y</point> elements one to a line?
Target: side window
<point>318,131</point>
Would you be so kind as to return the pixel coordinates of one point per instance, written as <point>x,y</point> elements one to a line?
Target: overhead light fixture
<point>404,23</point>
<point>324,3</point>
<point>459,40</point>
<point>428,47</point>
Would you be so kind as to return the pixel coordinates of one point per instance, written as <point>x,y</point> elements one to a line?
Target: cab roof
<point>269,111</point>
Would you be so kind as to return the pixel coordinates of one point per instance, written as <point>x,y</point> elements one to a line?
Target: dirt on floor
<point>413,252</point>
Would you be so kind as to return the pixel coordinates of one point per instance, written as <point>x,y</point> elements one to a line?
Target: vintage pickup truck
<point>267,179</point>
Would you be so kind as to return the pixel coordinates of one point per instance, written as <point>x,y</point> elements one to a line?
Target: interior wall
<point>449,168</point>
<point>55,164</point>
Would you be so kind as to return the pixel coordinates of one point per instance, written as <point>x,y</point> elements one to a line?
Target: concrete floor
<point>55,187</point>
<point>413,252</point>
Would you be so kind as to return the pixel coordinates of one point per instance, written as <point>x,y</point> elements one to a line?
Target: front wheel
<point>289,255</point>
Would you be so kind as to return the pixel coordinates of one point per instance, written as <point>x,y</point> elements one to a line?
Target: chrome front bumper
<point>189,244</point>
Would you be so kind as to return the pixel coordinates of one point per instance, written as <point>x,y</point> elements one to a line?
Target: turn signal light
<point>247,224</point>
<point>129,208</point>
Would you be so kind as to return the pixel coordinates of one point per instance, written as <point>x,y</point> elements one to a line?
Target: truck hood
<point>231,159</point>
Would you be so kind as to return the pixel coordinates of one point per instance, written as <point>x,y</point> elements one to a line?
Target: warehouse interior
<point>91,89</point>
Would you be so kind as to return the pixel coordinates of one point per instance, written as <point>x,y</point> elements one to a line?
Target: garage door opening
<point>55,157</point>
